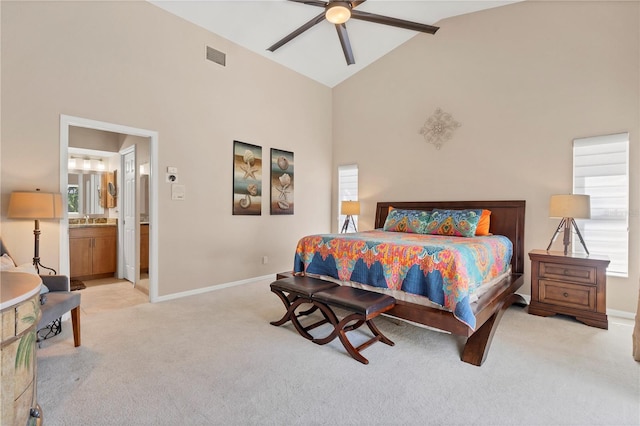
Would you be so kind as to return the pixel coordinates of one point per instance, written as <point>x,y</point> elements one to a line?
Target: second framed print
<point>281,182</point>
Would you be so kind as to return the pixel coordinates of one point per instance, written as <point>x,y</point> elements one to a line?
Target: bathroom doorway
<point>144,142</point>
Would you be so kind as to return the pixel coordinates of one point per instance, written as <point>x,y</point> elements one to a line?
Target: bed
<point>456,313</point>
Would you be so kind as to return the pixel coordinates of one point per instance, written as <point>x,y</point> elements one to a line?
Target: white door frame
<point>65,122</point>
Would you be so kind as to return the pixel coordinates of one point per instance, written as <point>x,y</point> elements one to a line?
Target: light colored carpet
<point>214,359</point>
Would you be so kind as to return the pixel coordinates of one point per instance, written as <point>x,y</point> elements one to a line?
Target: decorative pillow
<point>460,223</point>
<point>483,223</point>
<point>411,221</point>
<point>6,262</point>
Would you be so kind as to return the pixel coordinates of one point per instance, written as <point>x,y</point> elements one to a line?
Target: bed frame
<point>507,218</point>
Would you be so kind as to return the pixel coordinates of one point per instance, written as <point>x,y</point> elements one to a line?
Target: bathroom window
<point>73,199</point>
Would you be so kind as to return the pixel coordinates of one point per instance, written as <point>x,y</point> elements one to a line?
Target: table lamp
<point>36,205</point>
<point>350,209</point>
<point>569,207</point>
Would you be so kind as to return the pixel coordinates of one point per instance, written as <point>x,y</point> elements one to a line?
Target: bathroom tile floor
<point>107,294</point>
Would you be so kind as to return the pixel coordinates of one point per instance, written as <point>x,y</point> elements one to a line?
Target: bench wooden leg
<point>376,332</point>
<point>287,300</point>
<point>342,327</point>
<point>75,323</point>
<point>291,303</point>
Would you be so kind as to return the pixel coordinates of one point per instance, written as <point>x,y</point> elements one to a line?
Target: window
<point>73,199</point>
<point>601,170</point>
<point>347,189</point>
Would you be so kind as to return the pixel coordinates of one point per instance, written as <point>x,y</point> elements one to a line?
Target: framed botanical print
<point>247,179</point>
<point>281,182</point>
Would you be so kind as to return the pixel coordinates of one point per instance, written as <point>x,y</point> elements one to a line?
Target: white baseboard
<point>211,288</point>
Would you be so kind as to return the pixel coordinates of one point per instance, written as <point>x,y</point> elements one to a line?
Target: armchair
<point>56,302</point>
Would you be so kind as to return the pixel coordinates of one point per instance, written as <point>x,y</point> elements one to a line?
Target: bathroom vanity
<point>93,251</point>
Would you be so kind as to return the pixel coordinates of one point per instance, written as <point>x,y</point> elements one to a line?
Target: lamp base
<point>566,223</point>
<point>36,250</point>
<point>38,265</point>
<point>345,225</point>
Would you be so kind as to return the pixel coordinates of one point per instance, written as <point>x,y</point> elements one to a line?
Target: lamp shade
<point>574,205</point>
<point>35,205</point>
<point>350,208</point>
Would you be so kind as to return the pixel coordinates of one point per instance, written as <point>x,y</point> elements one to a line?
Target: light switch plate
<point>172,169</point>
<point>177,192</point>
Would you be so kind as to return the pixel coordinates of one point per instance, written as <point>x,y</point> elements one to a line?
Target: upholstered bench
<point>293,292</point>
<point>363,306</point>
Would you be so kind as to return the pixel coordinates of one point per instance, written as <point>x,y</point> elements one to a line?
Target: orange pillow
<point>483,223</point>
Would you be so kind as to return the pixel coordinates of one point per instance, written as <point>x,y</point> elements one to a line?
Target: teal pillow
<point>411,221</point>
<point>459,223</point>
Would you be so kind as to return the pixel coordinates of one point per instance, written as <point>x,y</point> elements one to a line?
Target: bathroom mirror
<point>84,193</point>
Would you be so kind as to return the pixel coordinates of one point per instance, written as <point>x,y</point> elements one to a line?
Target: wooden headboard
<point>507,218</point>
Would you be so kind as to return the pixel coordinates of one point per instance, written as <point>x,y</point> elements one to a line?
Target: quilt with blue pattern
<point>447,270</point>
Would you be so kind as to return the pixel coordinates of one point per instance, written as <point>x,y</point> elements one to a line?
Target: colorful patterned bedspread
<point>447,270</point>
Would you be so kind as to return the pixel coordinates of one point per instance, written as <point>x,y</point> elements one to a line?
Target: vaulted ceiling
<point>317,52</point>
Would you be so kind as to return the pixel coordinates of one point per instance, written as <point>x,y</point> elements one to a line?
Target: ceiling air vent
<point>216,56</point>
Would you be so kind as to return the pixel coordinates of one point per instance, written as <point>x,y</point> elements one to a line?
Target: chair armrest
<point>56,282</point>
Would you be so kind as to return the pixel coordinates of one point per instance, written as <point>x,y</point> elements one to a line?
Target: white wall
<point>524,80</point>
<point>133,64</point>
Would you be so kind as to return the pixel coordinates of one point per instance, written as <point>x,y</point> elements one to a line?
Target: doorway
<point>66,124</point>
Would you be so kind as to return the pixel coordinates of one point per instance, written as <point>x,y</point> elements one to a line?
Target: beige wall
<point>524,80</point>
<point>133,64</point>
<point>81,137</point>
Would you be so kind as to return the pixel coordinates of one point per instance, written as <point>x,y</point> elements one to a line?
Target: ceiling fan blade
<point>311,2</point>
<point>346,45</point>
<point>394,22</point>
<point>297,32</point>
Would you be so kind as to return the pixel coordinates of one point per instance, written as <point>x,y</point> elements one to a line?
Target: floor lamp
<point>350,209</point>
<point>569,207</point>
<point>36,205</point>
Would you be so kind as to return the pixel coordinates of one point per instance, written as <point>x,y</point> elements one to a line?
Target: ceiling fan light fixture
<point>338,12</point>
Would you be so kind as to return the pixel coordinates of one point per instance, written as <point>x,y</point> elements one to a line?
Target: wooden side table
<point>572,284</point>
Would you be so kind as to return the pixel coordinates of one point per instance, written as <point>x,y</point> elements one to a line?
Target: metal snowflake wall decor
<point>439,128</point>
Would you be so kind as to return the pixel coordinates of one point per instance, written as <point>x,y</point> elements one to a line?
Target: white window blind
<point>601,170</point>
<point>347,188</point>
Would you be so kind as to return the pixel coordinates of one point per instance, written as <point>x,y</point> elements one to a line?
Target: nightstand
<point>572,284</point>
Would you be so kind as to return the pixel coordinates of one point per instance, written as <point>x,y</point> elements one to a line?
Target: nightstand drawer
<point>574,273</point>
<point>567,294</point>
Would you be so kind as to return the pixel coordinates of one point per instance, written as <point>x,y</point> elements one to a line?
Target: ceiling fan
<point>339,12</point>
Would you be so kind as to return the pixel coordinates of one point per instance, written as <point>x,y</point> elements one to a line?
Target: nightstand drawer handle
<point>565,294</point>
<point>566,272</point>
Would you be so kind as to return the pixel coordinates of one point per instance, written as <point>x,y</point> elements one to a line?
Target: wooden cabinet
<point>144,248</point>
<point>573,284</point>
<point>109,192</point>
<point>93,251</point>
